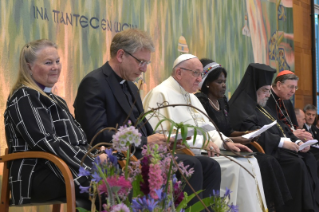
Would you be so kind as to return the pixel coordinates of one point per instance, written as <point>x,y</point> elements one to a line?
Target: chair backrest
<point>68,179</point>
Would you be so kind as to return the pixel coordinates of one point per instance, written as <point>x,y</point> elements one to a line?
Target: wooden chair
<point>68,178</point>
<point>257,146</point>
<point>123,162</point>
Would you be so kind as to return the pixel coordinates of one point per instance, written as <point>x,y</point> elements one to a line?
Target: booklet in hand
<point>308,143</point>
<point>258,132</point>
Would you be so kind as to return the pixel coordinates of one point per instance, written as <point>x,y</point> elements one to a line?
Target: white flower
<point>126,136</point>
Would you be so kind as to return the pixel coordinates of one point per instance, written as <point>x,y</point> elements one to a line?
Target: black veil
<point>244,98</point>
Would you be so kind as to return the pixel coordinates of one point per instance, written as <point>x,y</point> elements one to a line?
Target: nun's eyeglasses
<point>141,62</point>
<point>195,73</point>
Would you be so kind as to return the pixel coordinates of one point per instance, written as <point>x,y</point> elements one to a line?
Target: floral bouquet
<point>146,185</point>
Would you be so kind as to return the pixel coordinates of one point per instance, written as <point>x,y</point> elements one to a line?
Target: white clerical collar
<point>47,90</point>
<point>122,82</point>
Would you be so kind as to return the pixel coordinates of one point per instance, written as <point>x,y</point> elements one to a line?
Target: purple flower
<point>151,204</point>
<point>159,193</point>
<point>136,206</point>
<point>142,203</point>
<point>216,193</point>
<point>95,163</point>
<point>233,208</point>
<point>84,189</point>
<point>227,193</point>
<point>174,179</point>
<point>145,170</point>
<point>96,177</point>
<point>111,157</point>
<point>83,172</point>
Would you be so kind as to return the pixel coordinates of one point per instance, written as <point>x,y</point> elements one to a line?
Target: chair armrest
<point>257,146</point>
<point>187,151</point>
<point>68,178</point>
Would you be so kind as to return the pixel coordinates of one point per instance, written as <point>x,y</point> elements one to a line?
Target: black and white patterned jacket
<point>34,122</point>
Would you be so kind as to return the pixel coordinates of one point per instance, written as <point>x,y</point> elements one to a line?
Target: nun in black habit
<point>246,114</point>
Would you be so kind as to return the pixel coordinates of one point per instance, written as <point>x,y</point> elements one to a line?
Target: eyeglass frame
<point>141,62</point>
<point>195,73</point>
<point>291,87</point>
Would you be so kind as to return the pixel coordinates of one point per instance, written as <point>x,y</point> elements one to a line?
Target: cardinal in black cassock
<point>247,114</point>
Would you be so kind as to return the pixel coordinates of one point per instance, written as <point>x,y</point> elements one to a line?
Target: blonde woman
<point>37,120</point>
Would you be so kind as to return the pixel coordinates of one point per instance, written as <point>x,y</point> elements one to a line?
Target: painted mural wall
<point>232,32</point>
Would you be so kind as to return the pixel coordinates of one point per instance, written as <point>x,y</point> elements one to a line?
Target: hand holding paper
<point>308,143</point>
<point>258,132</point>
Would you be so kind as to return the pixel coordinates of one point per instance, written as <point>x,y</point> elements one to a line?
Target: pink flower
<point>185,171</point>
<point>155,179</point>
<point>120,208</point>
<point>165,164</point>
<point>125,185</point>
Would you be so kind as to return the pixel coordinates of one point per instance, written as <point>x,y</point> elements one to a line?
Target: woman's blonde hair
<point>28,55</point>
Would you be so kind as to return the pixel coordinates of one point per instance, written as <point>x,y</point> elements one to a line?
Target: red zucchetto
<point>284,72</point>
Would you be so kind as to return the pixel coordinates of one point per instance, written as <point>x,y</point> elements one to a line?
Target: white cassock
<point>247,192</point>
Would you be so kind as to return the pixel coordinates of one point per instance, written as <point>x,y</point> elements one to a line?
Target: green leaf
<point>142,116</point>
<point>162,120</point>
<point>195,134</point>
<point>186,199</point>
<point>82,209</point>
<point>136,186</point>
<point>204,136</point>
<point>115,189</point>
<point>198,206</point>
<point>184,131</point>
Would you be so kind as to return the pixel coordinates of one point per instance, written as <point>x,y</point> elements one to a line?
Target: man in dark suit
<point>107,97</point>
<point>310,116</point>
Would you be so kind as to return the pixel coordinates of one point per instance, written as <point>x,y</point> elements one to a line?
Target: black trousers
<point>206,176</point>
<point>46,186</point>
<point>315,152</point>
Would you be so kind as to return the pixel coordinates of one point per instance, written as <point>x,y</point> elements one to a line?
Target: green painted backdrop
<point>232,32</point>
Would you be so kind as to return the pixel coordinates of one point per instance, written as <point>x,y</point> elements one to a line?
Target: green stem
<point>127,162</point>
<point>172,196</point>
<point>170,166</point>
<point>109,190</point>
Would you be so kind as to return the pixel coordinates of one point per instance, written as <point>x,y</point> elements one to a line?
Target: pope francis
<point>248,193</point>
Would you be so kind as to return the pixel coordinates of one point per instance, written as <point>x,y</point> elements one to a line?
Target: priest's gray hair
<point>309,107</point>
<point>297,111</point>
<point>283,78</point>
<point>131,40</point>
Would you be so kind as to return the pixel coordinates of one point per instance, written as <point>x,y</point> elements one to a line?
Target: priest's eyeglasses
<point>141,62</point>
<point>195,73</point>
<point>291,87</point>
